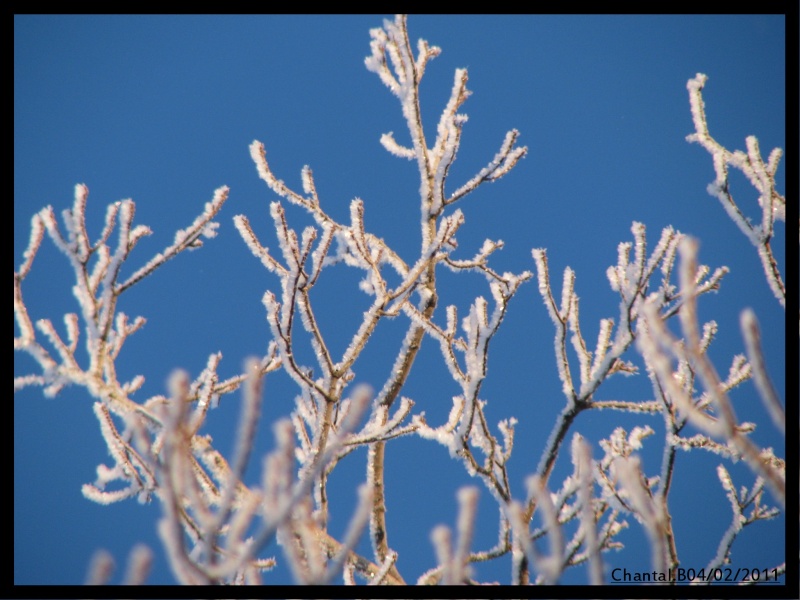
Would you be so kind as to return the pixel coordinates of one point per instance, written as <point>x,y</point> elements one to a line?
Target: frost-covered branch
<point>761,176</point>
<point>658,345</point>
<point>632,280</point>
<point>302,265</point>
<point>216,528</point>
<point>97,288</point>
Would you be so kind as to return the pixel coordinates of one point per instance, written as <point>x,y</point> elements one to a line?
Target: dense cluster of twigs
<point>215,528</point>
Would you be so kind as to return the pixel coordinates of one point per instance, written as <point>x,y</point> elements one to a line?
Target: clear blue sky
<point>161,109</point>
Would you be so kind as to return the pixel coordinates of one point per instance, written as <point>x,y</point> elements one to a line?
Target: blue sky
<point>162,109</point>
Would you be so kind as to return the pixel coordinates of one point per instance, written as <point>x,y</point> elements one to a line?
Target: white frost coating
<point>638,434</point>
<point>443,434</point>
<point>448,137</point>
<point>49,331</point>
<point>425,53</point>
<point>584,356</point>
<point>309,188</point>
<point>320,253</point>
<point>670,253</point>
<point>696,105</point>
<point>360,336</point>
<point>563,369</point>
<point>652,333</point>
<point>303,453</point>
<point>603,342</point>
<point>376,62</point>
<point>258,154</point>
<point>75,223</point>
<point>305,318</point>
<point>709,331</point>
<point>261,253</point>
<point>505,160</point>
<point>287,238</point>
<point>613,278</point>
<point>308,237</point>
<point>380,424</point>
<point>640,250</point>
<point>393,41</point>
<point>367,286</point>
<point>34,241</point>
<point>623,251</point>
<point>660,252</point>
<point>446,344</point>
<point>540,257</point>
<point>567,292</point>
<point>730,489</point>
<point>761,177</point>
<point>452,318</point>
<point>477,435</point>
<point>299,507</point>
<point>627,286</point>
<point>184,238</point>
<point>273,308</point>
<point>391,145</point>
<point>398,363</point>
<point>739,520</point>
<point>506,427</point>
